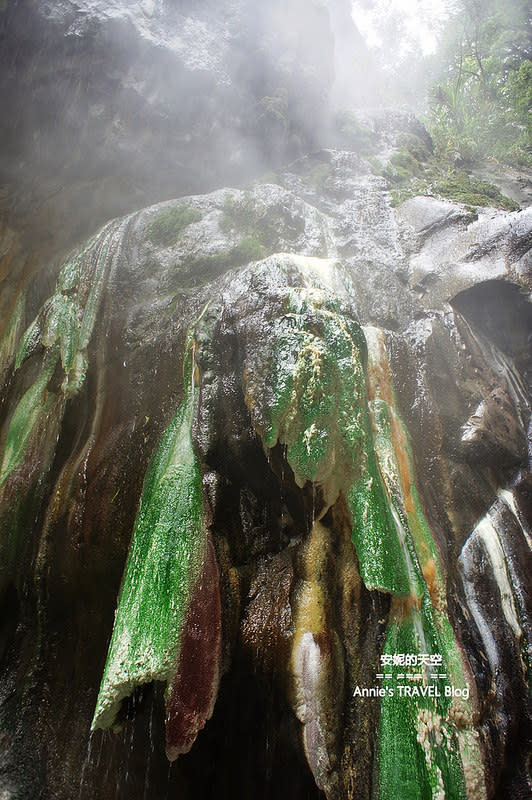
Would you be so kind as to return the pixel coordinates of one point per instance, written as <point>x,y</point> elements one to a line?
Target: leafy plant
<point>481,106</point>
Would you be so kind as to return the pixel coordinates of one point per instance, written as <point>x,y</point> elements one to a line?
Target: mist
<point>114,106</point>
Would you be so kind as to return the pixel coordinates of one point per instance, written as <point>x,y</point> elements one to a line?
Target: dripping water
<point>86,762</point>
<point>152,748</point>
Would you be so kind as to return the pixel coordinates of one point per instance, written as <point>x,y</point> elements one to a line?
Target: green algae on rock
<point>61,333</point>
<point>419,756</point>
<point>316,404</point>
<point>165,558</point>
<point>28,418</point>
<point>317,408</point>
<point>421,748</point>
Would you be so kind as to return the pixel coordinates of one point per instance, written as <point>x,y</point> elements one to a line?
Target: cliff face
<point>113,106</point>
<point>265,475</point>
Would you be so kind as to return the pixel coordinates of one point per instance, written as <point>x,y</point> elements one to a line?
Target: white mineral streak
<point>325,269</point>
<point>486,531</point>
<point>509,500</point>
<point>484,630</point>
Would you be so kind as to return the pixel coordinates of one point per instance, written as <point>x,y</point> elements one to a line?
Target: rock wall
<point>272,444</point>
<point>113,106</point>
<point>265,452</point>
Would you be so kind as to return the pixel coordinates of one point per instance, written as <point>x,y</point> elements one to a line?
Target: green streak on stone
<point>383,560</point>
<point>63,329</point>
<point>412,526</point>
<point>316,405</point>
<point>418,749</point>
<point>165,556</point>
<point>10,332</point>
<point>32,408</point>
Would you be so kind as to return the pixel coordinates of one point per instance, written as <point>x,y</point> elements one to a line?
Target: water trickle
<point>86,762</point>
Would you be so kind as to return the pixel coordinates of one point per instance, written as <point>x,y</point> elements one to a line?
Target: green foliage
<point>481,106</point>
<point>165,229</point>
<point>402,167</point>
<point>420,149</point>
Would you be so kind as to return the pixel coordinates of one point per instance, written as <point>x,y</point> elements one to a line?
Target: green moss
<point>60,335</point>
<point>249,249</point>
<point>464,188</point>
<point>202,269</point>
<point>32,408</point>
<point>247,217</point>
<point>267,177</point>
<point>165,229</point>
<point>164,560</point>
<point>403,166</point>
<point>316,174</point>
<point>409,176</point>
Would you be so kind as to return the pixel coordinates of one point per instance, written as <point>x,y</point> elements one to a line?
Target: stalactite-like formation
<point>301,500</point>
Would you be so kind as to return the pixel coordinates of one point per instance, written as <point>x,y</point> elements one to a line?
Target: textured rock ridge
<point>260,449</point>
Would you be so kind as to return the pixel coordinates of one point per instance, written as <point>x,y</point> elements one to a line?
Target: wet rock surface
<point>113,106</point>
<point>324,403</point>
<point>255,443</point>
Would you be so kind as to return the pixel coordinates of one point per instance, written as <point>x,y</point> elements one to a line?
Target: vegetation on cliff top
<point>481,101</point>
<point>473,84</point>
